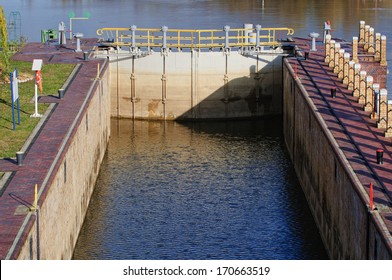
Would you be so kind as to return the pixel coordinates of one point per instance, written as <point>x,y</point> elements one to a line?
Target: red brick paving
<point>45,147</point>
<point>353,129</point>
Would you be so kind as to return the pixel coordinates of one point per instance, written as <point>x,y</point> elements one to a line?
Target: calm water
<point>199,191</point>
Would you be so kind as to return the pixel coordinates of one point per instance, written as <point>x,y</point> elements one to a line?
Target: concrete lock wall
<point>334,194</point>
<point>196,85</point>
<point>63,210</point>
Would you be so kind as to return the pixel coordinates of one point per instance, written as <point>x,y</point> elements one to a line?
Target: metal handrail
<point>193,39</point>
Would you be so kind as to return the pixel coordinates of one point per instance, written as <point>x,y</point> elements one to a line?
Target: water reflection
<point>198,191</point>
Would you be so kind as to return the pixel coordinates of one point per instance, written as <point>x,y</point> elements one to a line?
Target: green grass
<point>53,76</point>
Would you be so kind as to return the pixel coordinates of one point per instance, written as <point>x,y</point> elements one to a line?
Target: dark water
<point>201,191</point>
<point>221,190</point>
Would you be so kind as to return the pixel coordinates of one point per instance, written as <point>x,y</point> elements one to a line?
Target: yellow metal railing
<point>193,39</point>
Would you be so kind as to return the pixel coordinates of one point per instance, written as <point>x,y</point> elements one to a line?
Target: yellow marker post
<point>35,198</point>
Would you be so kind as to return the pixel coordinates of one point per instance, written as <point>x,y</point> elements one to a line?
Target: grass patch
<point>53,76</point>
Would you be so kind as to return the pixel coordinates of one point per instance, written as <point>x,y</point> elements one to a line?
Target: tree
<point>4,55</point>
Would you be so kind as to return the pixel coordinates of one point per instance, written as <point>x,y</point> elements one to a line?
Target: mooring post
<point>369,94</point>
<point>341,64</point>
<point>366,38</point>
<point>350,84</point>
<point>371,40</point>
<point>377,53</point>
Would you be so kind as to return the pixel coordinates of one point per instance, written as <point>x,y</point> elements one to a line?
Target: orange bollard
<point>371,204</point>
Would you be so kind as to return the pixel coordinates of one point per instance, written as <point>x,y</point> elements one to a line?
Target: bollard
<point>366,39</point>
<point>377,52</point>
<point>361,31</point>
<point>355,49</point>
<point>383,115</point>
<point>346,68</point>
<point>332,54</point>
<point>357,79</point>
<point>85,55</point>
<point>336,57</point>
<point>314,36</point>
<point>371,202</point>
<point>333,92</point>
<point>341,64</point>
<point>350,85</point>
<point>61,92</point>
<point>388,132</point>
<point>327,48</point>
<point>19,158</point>
<point>371,41</point>
<point>362,87</point>
<point>383,61</point>
<point>369,94</point>
<point>380,156</point>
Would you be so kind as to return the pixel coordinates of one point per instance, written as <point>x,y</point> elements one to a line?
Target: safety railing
<point>193,39</point>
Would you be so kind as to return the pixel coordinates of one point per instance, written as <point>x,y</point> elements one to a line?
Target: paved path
<point>355,132</point>
<point>18,194</point>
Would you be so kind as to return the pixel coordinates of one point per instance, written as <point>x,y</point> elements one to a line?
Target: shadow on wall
<point>258,94</point>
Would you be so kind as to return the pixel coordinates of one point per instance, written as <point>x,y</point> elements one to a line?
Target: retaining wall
<point>72,180</point>
<point>335,196</point>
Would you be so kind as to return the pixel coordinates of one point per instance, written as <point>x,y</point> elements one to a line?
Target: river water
<point>217,190</point>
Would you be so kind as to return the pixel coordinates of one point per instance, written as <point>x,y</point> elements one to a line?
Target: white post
<point>37,65</point>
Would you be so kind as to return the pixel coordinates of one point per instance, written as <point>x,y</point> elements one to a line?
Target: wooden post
<point>369,95</point>
<point>362,87</point>
<point>382,118</point>
<point>346,68</point>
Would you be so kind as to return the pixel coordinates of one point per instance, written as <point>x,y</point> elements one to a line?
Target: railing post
<point>226,28</point>
<point>258,29</point>
<point>164,29</point>
<point>383,116</point>
<point>341,64</point>
<point>133,30</point>
<point>369,98</point>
